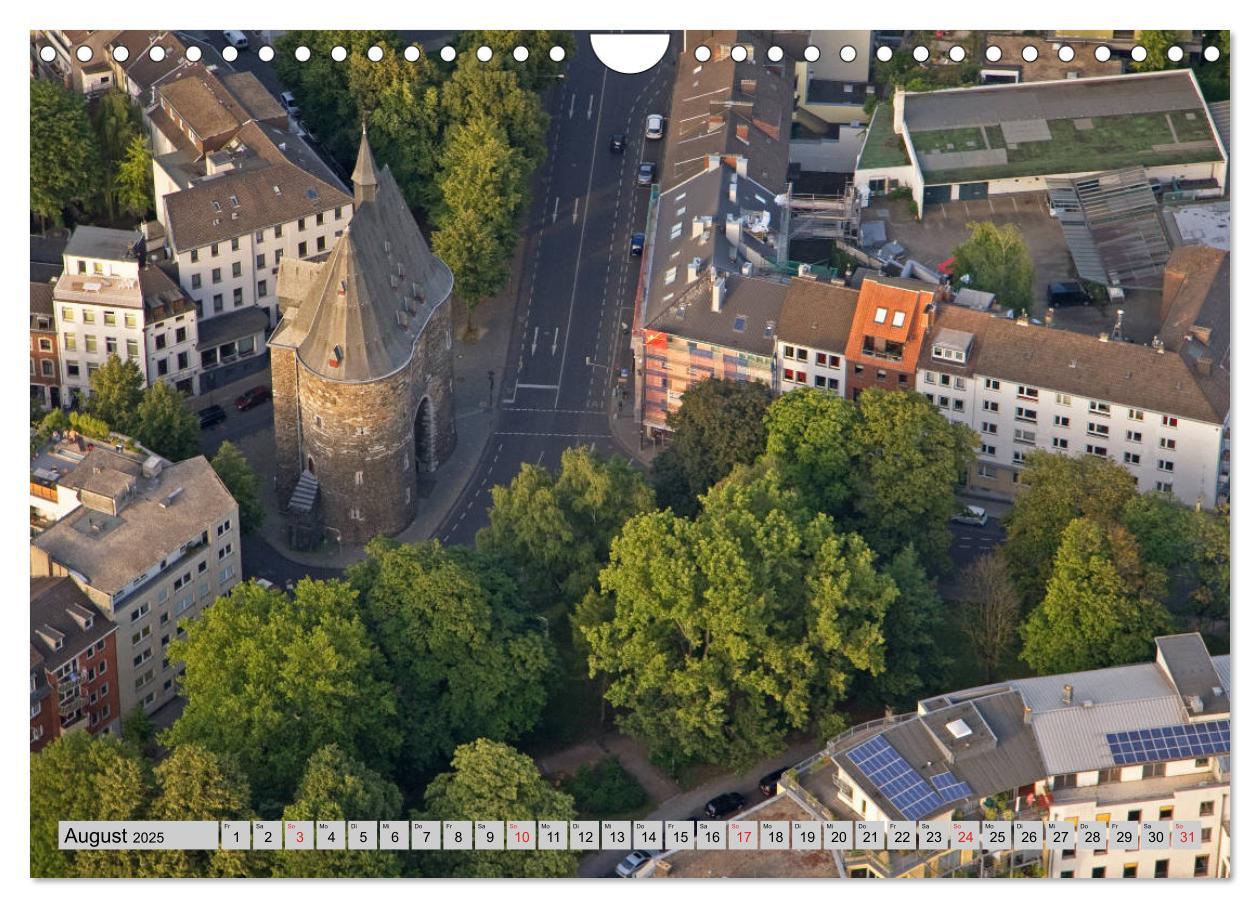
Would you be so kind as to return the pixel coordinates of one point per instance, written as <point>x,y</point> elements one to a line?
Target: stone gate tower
<point>362,370</point>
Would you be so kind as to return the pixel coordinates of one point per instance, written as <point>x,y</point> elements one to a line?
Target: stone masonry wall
<point>285,410</point>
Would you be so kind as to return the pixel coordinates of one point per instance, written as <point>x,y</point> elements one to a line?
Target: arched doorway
<point>423,431</point>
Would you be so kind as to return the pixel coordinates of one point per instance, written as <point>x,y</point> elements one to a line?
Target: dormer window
<point>949,354</point>
<point>881,315</point>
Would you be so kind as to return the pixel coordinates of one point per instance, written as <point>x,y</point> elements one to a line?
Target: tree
<point>164,425</point>
<point>1213,75</point>
<point>137,729</point>
<point>720,424</point>
<point>489,780</point>
<point>470,248</point>
<point>1162,526</point>
<point>133,180</point>
<point>1102,604</point>
<point>242,483</point>
<point>732,630</point>
<point>78,777</point>
<point>196,784</point>
<point>536,71</point>
<point>462,655</point>
<point>268,681</point>
<point>89,425</point>
<point>336,786</point>
<point>915,657</point>
<point>990,610</point>
<point>1058,490</point>
<point>116,124</point>
<point>116,393</point>
<point>475,92</point>
<point>997,260</point>
<point>64,157</point>
<point>913,459</point>
<point>1209,567</point>
<point>555,530</point>
<point>1157,42</point>
<point>812,436</point>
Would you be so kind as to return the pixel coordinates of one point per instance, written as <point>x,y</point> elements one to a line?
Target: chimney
<point>733,193</point>
<point>929,315</point>
<point>732,230</point>
<point>715,121</point>
<point>1195,703</point>
<point>1157,343</point>
<point>1049,316</point>
<point>1022,321</point>
<point>741,166</point>
<point>1067,695</point>
<point>1204,365</point>
<point>719,292</point>
<point>712,162</point>
<point>693,270</point>
<point>899,111</point>
<point>1028,714</point>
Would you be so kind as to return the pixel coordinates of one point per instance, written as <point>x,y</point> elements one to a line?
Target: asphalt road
<point>970,542</point>
<point>577,283</point>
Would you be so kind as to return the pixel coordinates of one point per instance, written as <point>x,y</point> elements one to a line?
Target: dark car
<point>647,173</point>
<point>617,144</point>
<point>1067,293</point>
<point>253,397</point>
<point>636,244</point>
<point>724,805</point>
<point>211,416</point>
<point>769,783</point>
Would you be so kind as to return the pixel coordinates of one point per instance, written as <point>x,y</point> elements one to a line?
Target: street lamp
<point>591,362</point>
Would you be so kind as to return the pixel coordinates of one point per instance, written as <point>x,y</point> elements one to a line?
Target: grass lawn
<point>883,147</point>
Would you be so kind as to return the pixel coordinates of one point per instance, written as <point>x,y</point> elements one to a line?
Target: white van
<point>236,39</point>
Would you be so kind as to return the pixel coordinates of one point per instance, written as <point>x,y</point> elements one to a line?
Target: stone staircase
<point>304,493</point>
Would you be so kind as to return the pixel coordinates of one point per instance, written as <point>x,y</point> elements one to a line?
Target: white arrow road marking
<point>555,210</point>
<point>534,346</point>
<point>555,341</point>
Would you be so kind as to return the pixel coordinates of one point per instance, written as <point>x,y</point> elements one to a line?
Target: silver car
<point>632,863</point>
<point>655,126</point>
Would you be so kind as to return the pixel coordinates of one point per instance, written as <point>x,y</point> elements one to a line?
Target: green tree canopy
<point>164,425</point>
<point>1059,489</point>
<point>336,786</point>
<point>719,424</point>
<point>268,680</point>
<point>133,180</point>
<point>116,393</point>
<point>812,436</point>
<point>78,777</point>
<point>555,530</point>
<point>732,630</point>
<point>538,68</point>
<point>990,610</point>
<point>476,92</point>
<point>65,161</point>
<point>116,123</point>
<point>1156,42</point>
<point>242,483</point>
<point>489,780</point>
<point>1102,607</point>
<point>1209,567</point>
<point>998,261</point>
<point>462,655</point>
<point>913,459</point>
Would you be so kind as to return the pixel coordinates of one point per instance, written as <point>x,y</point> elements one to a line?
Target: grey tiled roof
<point>747,320</point>
<point>55,603</point>
<point>817,314</point>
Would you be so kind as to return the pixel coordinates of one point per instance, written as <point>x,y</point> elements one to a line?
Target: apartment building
<point>74,664</point>
<point>235,194</point>
<point>151,544</point>
<point>1145,742</point>
<point>812,334</point>
<point>45,367</point>
<point>107,302</point>
<point>887,333</point>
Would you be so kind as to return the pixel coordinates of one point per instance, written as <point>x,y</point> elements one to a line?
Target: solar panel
<point>894,778</point>
<point>951,788</point>
<point>1171,742</point>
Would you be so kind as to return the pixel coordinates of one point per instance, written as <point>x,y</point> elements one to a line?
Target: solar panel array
<point>950,787</point>
<point>1172,742</point>
<point>894,778</point>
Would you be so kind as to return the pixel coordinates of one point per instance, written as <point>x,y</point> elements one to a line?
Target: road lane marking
<point>590,105</point>
<point>554,211</point>
<point>538,387</point>
<point>575,209</point>
<point>533,347</point>
<point>572,100</point>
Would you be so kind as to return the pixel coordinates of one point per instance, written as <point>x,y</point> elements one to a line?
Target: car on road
<point>655,126</point>
<point>636,244</point>
<point>617,144</point>
<point>724,805</point>
<point>259,394</point>
<point>769,783</point>
<point>289,102</point>
<point>236,39</point>
<point>647,173</point>
<point>1067,293</point>
<point>633,863</point>
<point>972,515</point>
<point>211,416</point>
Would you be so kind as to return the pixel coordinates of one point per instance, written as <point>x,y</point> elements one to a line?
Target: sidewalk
<point>630,753</point>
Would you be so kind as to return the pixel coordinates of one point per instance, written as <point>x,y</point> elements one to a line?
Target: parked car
<point>289,102</point>
<point>647,173</point>
<point>211,416</point>
<point>633,863</point>
<point>972,515</point>
<point>636,244</point>
<point>1067,293</point>
<point>617,144</point>
<point>253,397</point>
<point>769,783</point>
<point>655,126</point>
<point>237,39</point>
<point>724,805</point>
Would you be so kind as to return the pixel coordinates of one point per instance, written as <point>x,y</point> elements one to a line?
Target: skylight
<point>899,319</point>
<point>741,321</point>
<point>881,315</point>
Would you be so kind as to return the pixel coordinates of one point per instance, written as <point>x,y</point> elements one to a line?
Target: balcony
<point>892,356</point>
<point>48,493</point>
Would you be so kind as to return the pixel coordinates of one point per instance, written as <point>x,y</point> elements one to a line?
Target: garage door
<point>973,190</point>
<point>934,194</point>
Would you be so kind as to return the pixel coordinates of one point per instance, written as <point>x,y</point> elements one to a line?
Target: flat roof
<point>102,243</point>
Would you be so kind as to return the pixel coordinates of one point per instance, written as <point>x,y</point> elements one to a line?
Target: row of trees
<point>92,159</point>
<point>461,139</point>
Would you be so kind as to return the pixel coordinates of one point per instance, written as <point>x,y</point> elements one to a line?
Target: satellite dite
<point>767,453</point>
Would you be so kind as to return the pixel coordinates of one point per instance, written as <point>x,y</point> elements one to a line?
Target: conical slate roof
<point>365,168</point>
<point>359,320</point>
